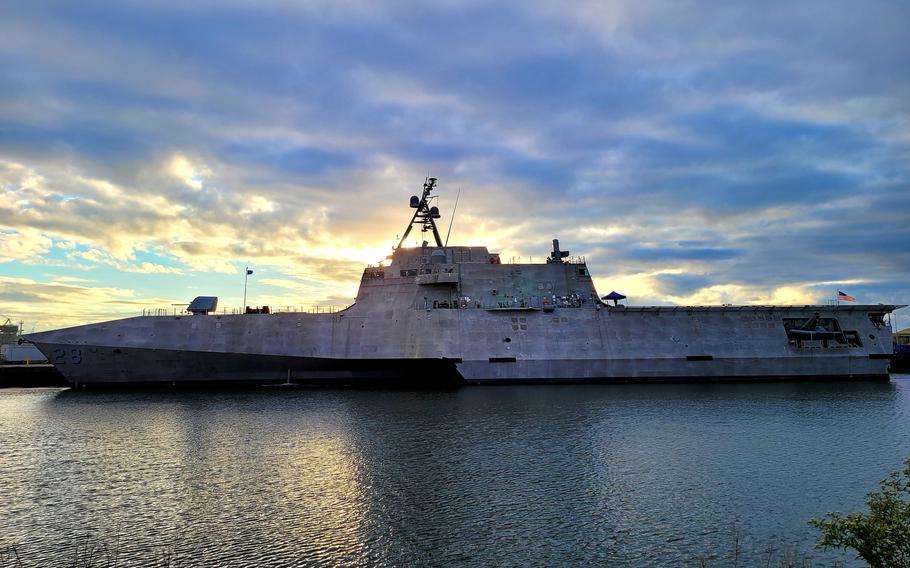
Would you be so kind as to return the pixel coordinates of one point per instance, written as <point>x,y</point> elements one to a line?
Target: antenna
<point>424,214</point>
<point>452,220</point>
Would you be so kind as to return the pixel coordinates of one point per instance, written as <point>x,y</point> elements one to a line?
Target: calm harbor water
<point>619,475</point>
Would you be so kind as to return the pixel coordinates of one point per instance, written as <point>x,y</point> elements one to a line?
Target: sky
<point>693,152</point>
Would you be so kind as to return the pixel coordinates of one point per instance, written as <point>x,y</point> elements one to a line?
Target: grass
<point>88,552</point>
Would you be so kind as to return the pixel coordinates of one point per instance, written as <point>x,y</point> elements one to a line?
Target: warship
<point>435,315</point>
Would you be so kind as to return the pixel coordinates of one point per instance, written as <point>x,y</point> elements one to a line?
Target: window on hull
<point>819,332</point>
<point>878,320</point>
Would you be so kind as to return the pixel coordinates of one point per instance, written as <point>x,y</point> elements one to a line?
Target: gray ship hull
<point>104,367</point>
<point>440,348</point>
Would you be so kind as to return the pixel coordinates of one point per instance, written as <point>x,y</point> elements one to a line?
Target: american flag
<point>845,297</point>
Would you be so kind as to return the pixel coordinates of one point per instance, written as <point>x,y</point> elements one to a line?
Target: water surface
<point>624,475</point>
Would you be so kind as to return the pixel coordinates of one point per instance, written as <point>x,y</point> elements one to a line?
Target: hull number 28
<point>64,356</point>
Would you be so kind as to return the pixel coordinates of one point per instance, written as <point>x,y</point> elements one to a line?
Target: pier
<point>30,375</point>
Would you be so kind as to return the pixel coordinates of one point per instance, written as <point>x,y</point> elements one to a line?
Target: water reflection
<point>616,474</point>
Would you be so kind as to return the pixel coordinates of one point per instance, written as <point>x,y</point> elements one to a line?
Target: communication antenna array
<point>425,215</point>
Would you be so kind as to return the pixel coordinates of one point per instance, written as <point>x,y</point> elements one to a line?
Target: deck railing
<point>576,259</point>
<point>172,312</point>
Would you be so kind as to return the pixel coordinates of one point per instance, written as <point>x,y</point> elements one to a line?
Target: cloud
<point>683,253</point>
<point>187,172</point>
<point>59,303</point>
<point>692,153</point>
<point>281,283</point>
<point>24,245</point>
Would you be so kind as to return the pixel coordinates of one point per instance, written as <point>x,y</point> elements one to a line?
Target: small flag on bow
<point>248,271</point>
<point>845,297</point>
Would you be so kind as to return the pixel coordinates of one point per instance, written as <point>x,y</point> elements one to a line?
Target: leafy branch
<point>881,536</point>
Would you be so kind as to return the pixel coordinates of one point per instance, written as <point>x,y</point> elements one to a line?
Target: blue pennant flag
<point>248,271</point>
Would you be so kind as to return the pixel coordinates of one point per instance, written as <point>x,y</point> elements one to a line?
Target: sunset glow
<point>149,153</point>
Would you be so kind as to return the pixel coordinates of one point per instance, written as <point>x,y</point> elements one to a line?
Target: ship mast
<point>424,214</point>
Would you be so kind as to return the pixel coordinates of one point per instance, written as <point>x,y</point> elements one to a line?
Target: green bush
<point>881,537</point>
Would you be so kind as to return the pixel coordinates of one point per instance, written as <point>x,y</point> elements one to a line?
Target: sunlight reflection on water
<point>619,474</point>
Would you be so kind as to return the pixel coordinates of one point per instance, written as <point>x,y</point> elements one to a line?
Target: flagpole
<point>836,302</point>
<point>246,277</point>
